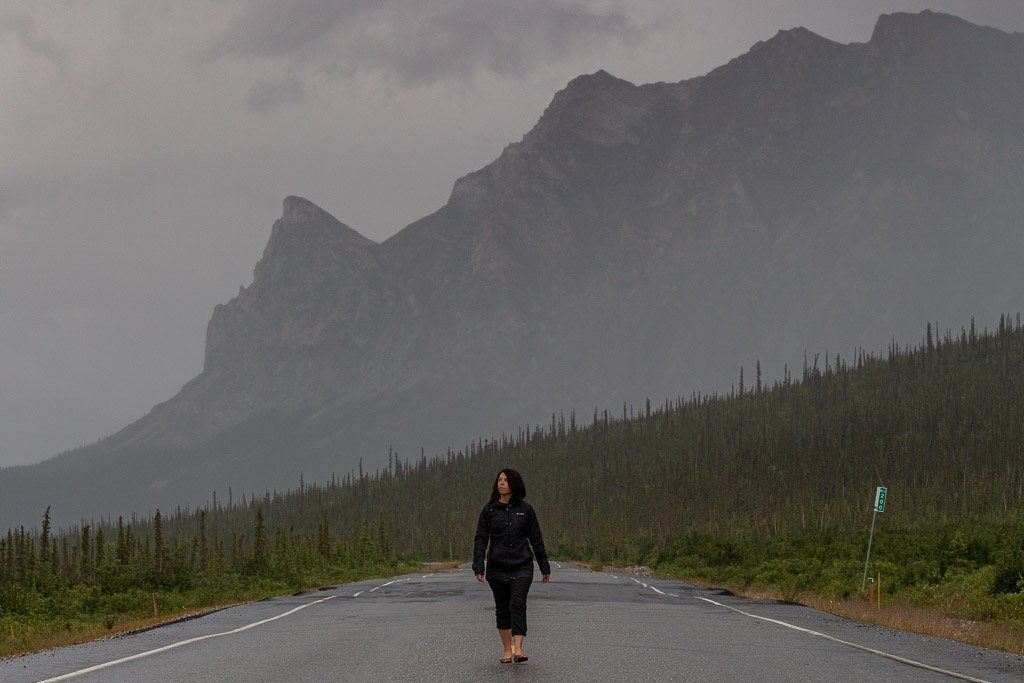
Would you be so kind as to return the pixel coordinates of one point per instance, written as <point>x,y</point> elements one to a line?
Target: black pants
<point>510,591</point>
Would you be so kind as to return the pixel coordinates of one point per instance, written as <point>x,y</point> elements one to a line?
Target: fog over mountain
<point>641,241</point>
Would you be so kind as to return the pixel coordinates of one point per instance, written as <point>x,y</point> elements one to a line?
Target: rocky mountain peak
<point>298,210</point>
<point>926,29</point>
<point>793,38</point>
<point>306,234</point>
<point>596,80</point>
<point>597,107</point>
<point>790,47</point>
<point>304,223</point>
<point>589,89</point>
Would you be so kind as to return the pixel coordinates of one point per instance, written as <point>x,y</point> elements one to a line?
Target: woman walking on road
<point>509,526</point>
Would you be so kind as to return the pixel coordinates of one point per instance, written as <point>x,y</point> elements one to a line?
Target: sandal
<point>506,660</point>
<point>518,658</point>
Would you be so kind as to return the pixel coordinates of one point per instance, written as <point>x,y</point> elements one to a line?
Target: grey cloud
<point>504,38</point>
<point>269,29</point>
<point>270,93</point>
<point>32,38</point>
<point>412,42</point>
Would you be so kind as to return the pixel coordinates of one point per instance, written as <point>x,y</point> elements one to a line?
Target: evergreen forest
<point>767,485</point>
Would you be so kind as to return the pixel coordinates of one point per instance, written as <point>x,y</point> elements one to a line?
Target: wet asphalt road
<point>584,626</point>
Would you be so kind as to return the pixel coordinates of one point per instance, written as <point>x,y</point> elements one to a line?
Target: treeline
<point>56,586</point>
<point>941,424</point>
<point>142,553</point>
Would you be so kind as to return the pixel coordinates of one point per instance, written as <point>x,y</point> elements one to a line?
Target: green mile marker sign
<point>879,507</point>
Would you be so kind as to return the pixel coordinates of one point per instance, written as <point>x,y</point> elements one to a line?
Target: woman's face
<point>503,487</point>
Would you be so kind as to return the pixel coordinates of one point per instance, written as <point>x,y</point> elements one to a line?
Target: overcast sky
<point>146,146</point>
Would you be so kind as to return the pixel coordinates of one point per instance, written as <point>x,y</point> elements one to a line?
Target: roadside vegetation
<point>84,584</point>
<point>766,488</point>
<point>957,580</point>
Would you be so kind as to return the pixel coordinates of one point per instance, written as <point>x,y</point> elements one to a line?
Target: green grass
<point>963,581</point>
<point>35,620</point>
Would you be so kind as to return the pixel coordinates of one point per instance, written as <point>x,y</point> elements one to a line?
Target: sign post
<point>880,494</point>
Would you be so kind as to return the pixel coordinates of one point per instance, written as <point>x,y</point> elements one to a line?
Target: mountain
<point>640,241</point>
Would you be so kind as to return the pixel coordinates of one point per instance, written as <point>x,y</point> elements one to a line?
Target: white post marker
<point>880,494</point>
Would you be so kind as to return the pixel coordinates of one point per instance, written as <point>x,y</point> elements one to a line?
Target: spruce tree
<point>203,549</point>
<point>44,544</point>
<point>85,557</point>
<point>158,542</point>
<point>122,544</point>
<point>366,549</point>
<point>8,568</point>
<point>259,541</point>
<point>383,546</point>
<point>101,551</point>
<point>281,553</point>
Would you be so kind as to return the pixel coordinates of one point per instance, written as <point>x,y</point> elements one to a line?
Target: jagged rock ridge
<point>640,241</point>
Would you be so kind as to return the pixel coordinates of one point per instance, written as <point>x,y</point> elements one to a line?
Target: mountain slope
<point>640,241</point>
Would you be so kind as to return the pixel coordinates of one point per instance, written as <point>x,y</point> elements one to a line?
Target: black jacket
<point>510,529</point>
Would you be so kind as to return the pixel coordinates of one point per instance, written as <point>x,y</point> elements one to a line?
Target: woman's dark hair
<point>515,482</point>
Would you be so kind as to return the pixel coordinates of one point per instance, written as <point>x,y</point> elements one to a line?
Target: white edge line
<point>613,576</point>
<point>180,643</point>
<point>865,648</point>
<point>100,667</point>
<point>165,648</point>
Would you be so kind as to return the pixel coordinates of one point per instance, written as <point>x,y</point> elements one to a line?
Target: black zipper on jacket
<point>508,536</point>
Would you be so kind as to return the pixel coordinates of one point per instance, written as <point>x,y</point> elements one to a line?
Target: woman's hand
<point>480,578</point>
<point>545,578</point>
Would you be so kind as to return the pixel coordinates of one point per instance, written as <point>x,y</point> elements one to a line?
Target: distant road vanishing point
<point>584,626</point>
